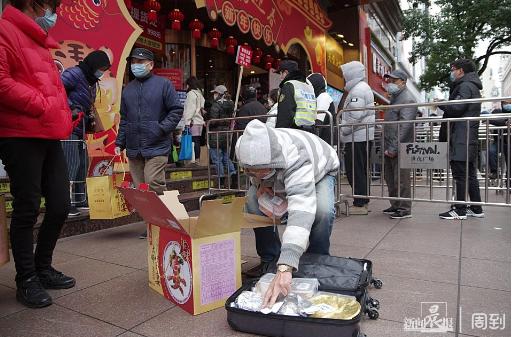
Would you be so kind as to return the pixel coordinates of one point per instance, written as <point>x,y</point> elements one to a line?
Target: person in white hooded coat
<point>357,95</point>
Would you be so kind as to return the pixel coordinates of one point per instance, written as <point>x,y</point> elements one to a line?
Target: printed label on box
<point>217,262</point>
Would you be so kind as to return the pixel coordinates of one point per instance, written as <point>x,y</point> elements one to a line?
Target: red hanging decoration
<point>276,64</point>
<point>246,45</point>
<point>268,61</point>
<point>128,4</point>
<point>214,36</point>
<point>231,43</point>
<point>152,7</point>
<point>177,17</point>
<point>196,27</point>
<point>256,56</point>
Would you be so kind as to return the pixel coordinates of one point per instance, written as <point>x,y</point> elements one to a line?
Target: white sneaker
<point>472,213</point>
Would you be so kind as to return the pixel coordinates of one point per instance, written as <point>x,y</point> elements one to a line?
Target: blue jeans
<point>220,159</point>
<point>268,244</point>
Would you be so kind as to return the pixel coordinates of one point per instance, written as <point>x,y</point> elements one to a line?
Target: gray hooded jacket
<point>360,95</point>
<point>301,160</point>
<point>391,136</point>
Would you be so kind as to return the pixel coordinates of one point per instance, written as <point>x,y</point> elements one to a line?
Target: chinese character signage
<point>174,74</point>
<point>153,34</point>
<point>244,56</point>
<point>423,155</point>
<point>264,20</point>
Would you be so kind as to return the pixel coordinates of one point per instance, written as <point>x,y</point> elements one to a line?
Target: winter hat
<point>259,147</point>
<point>92,62</point>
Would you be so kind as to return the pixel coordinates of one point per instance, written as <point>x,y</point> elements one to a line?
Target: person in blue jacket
<point>150,112</point>
<point>81,83</point>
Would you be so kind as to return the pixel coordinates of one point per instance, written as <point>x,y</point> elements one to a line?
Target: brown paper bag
<point>4,239</point>
<point>204,156</point>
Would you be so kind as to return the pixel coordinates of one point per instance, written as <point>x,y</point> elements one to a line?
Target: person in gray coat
<point>357,137</point>
<point>465,85</point>
<point>397,88</point>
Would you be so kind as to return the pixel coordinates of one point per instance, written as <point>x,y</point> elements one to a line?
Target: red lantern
<point>276,63</point>
<point>152,7</point>
<point>257,54</point>
<point>176,16</point>
<point>196,27</point>
<point>231,43</point>
<point>214,35</point>
<point>268,61</point>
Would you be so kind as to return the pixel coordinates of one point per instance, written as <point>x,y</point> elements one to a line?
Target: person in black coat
<point>465,85</point>
<point>251,107</point>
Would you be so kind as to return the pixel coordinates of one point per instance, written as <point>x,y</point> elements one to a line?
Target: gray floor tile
<point>55,321</point>
<point>8,303</point>
<point>486,274</point>
<point>400,298</point>
<point>125,301</point>
<point>415,265</point>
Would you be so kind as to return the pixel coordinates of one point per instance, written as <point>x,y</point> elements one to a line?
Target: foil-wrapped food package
<point>333,306</point>
<point>305,287</point>
<point>249,300</point>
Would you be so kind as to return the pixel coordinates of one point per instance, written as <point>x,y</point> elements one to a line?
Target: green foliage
<point>454,31</point>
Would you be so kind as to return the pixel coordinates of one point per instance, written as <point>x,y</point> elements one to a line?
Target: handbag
<point>186,145</point>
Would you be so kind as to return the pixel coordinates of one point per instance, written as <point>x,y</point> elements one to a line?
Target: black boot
<point>31,293</point>
<point>53,279</point>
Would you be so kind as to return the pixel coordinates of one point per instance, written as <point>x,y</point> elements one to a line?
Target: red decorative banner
<point>153,34</point>
<point>82,27</point>
<point>265,19</point>
<point>244,56</point>
<point>175,75</point>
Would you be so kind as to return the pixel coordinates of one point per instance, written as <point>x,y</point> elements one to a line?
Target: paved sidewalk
<point>424,259</point>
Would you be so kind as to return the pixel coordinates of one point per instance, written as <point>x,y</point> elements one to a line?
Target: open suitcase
<point>346,276</point>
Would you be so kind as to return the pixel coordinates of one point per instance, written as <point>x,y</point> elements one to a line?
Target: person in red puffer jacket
<point>34,117</point>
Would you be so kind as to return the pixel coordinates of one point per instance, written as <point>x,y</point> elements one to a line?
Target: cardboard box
<point>193,261</point>
<point>105,201</point>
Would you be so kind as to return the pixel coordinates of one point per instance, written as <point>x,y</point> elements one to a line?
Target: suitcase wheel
<point>373,313</point>
<point>377,283</point>
<point>373,303</point>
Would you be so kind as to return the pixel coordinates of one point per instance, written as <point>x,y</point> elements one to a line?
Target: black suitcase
<point>346,276</point>
<point>275,325</point>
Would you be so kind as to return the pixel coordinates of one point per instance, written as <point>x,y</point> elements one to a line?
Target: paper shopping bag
<point>4,239</point>
<point>105,201</point>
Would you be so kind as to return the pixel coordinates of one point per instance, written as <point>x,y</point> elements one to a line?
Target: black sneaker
<point>73,211</point>
<point>401,214</point>
<point>144,235</point>
<point>475,214</point>
<point>390,210</point>
<point>31,293</point>
<point>53,279</point>
<point>454,214</point>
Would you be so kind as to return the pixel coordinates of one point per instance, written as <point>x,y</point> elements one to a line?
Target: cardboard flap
<point>152,209</point>
<point>216,217</point>
<point>171,200</point>
<point>256,221</point>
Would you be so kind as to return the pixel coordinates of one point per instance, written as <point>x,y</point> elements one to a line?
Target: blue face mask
<point>47,21</point>
<point>140,70</point>
<point>452,77</point>
<point>393,88</point>
<point>506,108</point>
<point>98,74</point>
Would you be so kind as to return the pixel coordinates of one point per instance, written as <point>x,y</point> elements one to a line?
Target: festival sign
<point>265,19</point>
<point>87,25</point>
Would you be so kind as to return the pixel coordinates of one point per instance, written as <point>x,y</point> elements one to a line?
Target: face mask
<point>268,176</point>
<point>506,108</point>
<point>139,70</point>
<point>98,74</point>
<point>393,88</point>
<point>47,21</point>
<point>215,96</point>
<point>452,76</point>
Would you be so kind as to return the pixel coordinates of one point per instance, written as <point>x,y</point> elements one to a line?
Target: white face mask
<point>270,103</point>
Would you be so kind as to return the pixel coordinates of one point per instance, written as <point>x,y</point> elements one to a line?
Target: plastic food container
<point>272,206</point>
<point>305,287</point>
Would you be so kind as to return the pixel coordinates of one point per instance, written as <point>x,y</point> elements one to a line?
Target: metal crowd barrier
<point>241,182</point>
<point>426,130</point>
<point>77,188</point>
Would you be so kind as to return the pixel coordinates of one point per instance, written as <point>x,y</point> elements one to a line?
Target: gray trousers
<point>391,177</point>
<point>150,171</point>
